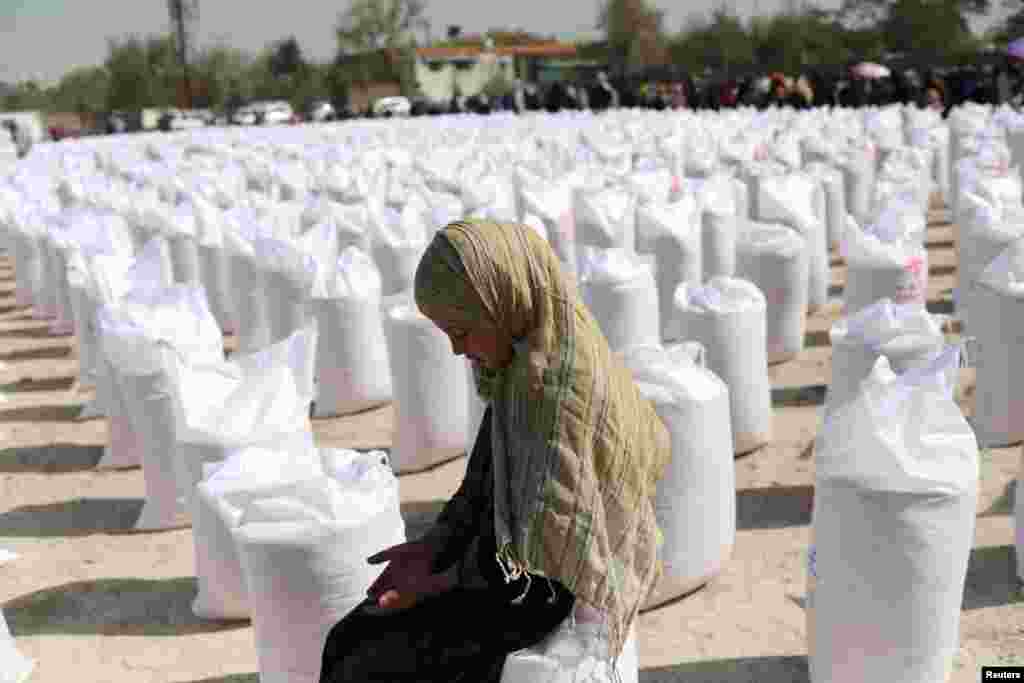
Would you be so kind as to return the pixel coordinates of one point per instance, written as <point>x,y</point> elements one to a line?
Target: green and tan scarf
<point>577,451</point>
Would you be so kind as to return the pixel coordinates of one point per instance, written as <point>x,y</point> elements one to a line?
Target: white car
<point>277,112</point>
<point>245,116</point>
<point>392,106</point>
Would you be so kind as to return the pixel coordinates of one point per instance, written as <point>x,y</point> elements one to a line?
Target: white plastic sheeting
<point>352,366</point>
<point>896,476</point>
<point>621,293</point>
<point>998,321</point>
<point>304,550</point>
<point>695,502</point>
<point>774,257</point>
<point>727,316</point>
<point>430,390</point>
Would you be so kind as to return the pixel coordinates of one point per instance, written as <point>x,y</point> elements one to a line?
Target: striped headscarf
<point>577,451</point>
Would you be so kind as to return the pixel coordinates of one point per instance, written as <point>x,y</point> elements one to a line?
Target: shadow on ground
<point>58,413</point>
<point>41,332</point>
<point>55,458</point>
<point>46,353</point>
<point>29,384</point>
<point>811,395</point>
<point>741,670</point>
<point>1005,503</point>
<point>114,607</point>
<point>80,517</point>
<point>777,507</point>
<point>233,678</point>
<point>992,578</point>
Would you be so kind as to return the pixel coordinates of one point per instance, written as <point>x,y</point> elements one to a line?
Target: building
<point>442,72</point>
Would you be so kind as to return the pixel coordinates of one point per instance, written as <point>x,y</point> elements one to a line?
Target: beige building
<point>443,71</point>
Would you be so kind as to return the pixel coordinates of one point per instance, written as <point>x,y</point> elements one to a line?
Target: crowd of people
<point>934,88</point>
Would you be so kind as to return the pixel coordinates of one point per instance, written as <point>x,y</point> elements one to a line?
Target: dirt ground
<point>90,601</point>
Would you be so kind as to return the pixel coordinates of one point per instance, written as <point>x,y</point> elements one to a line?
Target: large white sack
<point>222,593</point>
<point>352,367</point>
<point>214,263</point>
<point>430,391</point>
<point>858,167</point>
<point>133,335</point>
<point>288,276</point>
<point>14,666</point>
<point>672,234</point>
<point>575,651</point>
<point>716,197</point>
<point>881,268</point>
<point>400,238</point>
<point>552,203</point>
<point>998,318</point>
<point>831,179</point>
<point>605,217</point>
<point>304,550</point>
<point>906,334</point>
<point>727,316</point>
<point>985,231</point>
<point>59,300</point>
<point>248,288</point>
<point>774,257</point>
<point>797,200</point>
<point>620,291</point>
<point>896,475</point>
<point>252,398</point>
<point>695,501</point>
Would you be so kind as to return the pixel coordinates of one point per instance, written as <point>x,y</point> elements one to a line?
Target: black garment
<point>462,636</point>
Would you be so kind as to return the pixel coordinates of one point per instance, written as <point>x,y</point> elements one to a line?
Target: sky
<point>43,39</point>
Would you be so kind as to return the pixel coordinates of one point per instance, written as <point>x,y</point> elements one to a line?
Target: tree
<point>931,30</point>
<point>872,13</point>
<point>143,73</point>
<point>376,24</point>
<point>286,58</point>
<point>720,42</point>
<point>221,72</point>
<point>634,32</point>
<point>83,91</point>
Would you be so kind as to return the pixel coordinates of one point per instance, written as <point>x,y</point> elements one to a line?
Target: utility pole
<point>184,14</point>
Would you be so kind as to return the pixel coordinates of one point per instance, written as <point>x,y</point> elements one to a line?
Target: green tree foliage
<point>144,72</point>
<point>83,91</point>
<point>377,24</point>
<point>633,29</point>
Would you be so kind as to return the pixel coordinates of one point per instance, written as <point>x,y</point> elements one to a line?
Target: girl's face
<point>482,346</point>
<point>934,99</point>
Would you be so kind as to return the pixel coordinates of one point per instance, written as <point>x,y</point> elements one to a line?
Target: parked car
<point>392,106</point>
<point>246,116</point>
<point>321,110</point>
<point>175,119</point>
<point>274,113</point>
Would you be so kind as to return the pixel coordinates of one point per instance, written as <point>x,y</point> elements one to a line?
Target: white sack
<point>552,202</point>
<point>248,287</point>
<point>896,475</point>
<point>352,366</point>
<point>796,200</point>
<point>14,666</point>
<point>573,653</point>
<point>304,551</point>
<point>986,230</point>
<point>727,316</point>
<point>672,234</point>
<point>223,485</point>
<point>695,502</point>
<point>881,269</point>
<point>430,391</point>
<point>605,218</point>
<point>998,319</point>
<point>774,258</point>
<point>621,293</point>
<point>906,334</point>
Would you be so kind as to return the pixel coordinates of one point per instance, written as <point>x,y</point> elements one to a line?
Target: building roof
<point>546,49</point>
